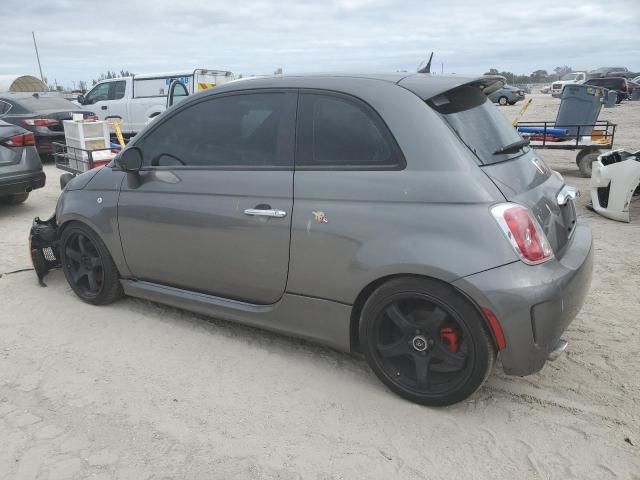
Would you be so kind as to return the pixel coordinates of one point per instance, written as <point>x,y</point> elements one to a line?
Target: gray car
<point>20,165</point>
<point>398,215</point>
<point>507,95</point>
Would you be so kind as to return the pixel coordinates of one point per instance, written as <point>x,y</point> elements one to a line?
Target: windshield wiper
<point>513,147</point>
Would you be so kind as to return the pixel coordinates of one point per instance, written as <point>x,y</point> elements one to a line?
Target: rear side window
<point>247,130</point>
<point>339,132</point>
<point>118,90</point>
<point>477,122</point>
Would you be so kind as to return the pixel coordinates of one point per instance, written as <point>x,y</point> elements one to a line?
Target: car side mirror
<point>130,160</point>
<point>81,99</point>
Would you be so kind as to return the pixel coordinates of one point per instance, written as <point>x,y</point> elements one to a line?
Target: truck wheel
<point>584,159</point>
<point>503,101</point>
<point>425,341</point>
<point>88,266</point>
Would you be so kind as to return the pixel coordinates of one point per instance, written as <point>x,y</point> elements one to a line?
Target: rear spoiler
<point>429,86</point>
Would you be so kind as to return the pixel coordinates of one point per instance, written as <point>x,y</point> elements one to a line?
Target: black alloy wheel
<point>84,264</point>
<point>88,266</point>
<point>418,343</point>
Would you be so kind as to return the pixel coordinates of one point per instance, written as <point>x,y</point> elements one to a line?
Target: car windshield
<point>570,76</point>
<point>479,124</point>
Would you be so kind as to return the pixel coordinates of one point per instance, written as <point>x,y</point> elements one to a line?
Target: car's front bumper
<point>535,304</point>
<point>43,246</point>
<point>22,183</point>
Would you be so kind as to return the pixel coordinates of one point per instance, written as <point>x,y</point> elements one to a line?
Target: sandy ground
<point>141,391</point>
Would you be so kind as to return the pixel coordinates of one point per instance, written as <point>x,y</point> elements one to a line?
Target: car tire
<point>584,159</point>
<point>503,100</point>
<point>64,179</point>
<point>88,266</point>
<point>425,341</point>
<point>16,199</point>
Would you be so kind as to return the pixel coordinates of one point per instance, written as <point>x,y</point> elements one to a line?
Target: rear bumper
<point>535,304</point>
<point>22,183</point>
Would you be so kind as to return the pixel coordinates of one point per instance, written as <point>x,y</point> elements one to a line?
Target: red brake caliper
<point>450,338</point>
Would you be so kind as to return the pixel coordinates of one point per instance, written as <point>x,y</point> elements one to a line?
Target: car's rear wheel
<point>88,266</point>
<point>425,341</point>
<point>15,199</point>
<point>503,100</point>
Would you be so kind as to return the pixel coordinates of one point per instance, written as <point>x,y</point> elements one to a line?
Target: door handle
<point>256,212</point>
<point>103,107</point>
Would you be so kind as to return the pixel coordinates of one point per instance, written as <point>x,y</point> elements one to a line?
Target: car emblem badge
<point>320,217</point>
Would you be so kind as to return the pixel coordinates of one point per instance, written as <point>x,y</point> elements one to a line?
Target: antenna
<point>37,56</point>
<point>427,67</point>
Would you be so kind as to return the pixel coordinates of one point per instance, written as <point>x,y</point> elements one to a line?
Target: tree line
<point>538,76</point>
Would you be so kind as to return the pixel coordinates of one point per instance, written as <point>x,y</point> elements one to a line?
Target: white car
<point>135,100</point>
<point>568,79</point>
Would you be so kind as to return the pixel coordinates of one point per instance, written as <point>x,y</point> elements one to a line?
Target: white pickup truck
<point>135,100</point>
<point>568,79</point>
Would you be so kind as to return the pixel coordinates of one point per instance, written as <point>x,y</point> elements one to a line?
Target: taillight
<point>20,140</point>
<point>623,86</point>
<point>91,117</point>
<point>40,122</point>
<point>523,232</point>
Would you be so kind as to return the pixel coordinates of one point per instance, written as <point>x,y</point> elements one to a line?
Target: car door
<point>117,105</point>
<point>210,210</point>
<point>177,92</point>
<point>97,99</point>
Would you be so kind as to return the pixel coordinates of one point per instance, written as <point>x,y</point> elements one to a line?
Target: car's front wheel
<point>503,100</point>
<point>88,266</point>
<point>425,341</point>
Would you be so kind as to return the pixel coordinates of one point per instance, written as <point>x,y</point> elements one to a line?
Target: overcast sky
<point>80,39</point>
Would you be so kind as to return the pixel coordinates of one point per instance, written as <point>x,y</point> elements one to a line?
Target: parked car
<point>507,95</point>
<point>619,84</point>
<point>40,113</point>
<point>421,229</point>
<point>545,89</point>
<point>568,79</point>
<point>137,99</point>
<point>20,166</point>
<point>603,72</point>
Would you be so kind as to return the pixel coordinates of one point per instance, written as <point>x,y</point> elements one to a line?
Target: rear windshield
<point>478,123</point>
<point>33,104</point>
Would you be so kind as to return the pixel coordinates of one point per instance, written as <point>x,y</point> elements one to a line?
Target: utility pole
<point>37,55</point>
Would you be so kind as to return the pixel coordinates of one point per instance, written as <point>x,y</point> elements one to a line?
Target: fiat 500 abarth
<point>397,215</point>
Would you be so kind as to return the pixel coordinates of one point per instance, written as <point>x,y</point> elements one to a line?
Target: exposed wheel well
<point>365,293</point>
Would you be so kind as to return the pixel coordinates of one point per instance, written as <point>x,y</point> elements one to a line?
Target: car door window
<point>244,130</point>
<point>117,90</point>
<point>99,93</point>
<point>341,132</point>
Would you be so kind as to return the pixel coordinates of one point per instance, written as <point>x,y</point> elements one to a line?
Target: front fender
<point>96,206</point>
